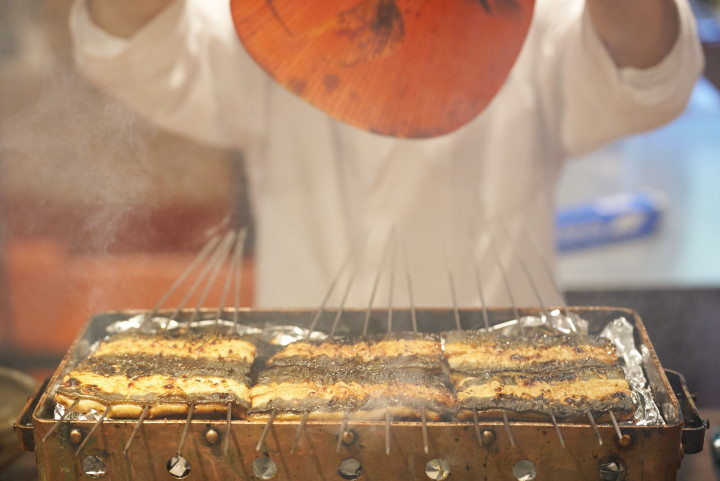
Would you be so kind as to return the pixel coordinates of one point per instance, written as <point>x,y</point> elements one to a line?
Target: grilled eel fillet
<point>362,391</point>
<point>566,394</point>
<point>474,351</point>
<point>399,350</point>
<point>166,371</point>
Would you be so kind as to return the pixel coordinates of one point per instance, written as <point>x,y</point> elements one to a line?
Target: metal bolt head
<point>487,437</point>
<point>212,436</point>
<point>75,436</point>
<point>612,471</point>
<point>350,468</point>
<point>437,469</point>
<point>179,467</point>
<point>348,437</point>
<point>625,441</point>
<point>94,467</point>
<point>524,470</point>
<point>264,468</point>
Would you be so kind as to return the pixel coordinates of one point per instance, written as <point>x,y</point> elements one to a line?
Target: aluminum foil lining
<point>274,335</point>
<point>144,324</point>
<point>549,323</point>
<point>621,333</point>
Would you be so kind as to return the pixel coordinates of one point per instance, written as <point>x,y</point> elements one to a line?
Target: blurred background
<point>100,211</point>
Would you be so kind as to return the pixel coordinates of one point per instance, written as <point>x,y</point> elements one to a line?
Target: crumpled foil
<point>284,335</point>
<point>621,333</point>
<point>144,324</point>
<point>75,416</point>
<point>549,323</point>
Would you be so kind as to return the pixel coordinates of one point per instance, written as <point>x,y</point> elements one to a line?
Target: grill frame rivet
<point>625,441</point>
<point>487,437</point>
<point>75,436</point>
<point>212,436</point>
<point>348,437</point>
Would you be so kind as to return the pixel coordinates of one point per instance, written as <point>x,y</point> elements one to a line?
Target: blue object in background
<point>607,219</point>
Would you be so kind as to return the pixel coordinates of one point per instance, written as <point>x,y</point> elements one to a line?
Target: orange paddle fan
<point>407,68</point>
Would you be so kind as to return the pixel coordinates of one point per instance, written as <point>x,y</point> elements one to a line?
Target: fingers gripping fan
<point>406,68</point>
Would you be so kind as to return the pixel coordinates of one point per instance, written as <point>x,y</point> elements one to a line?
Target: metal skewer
<point>506,281</point>
<point>235,267</point>
<point>303,420</point>
<point>92,431</point>
<point>425,431</point>
<point>330,290</point>
<point>557,430</point>
<point>139,422</point>
<point>617,426</point>
<point>391,288</point>
<point>339,313</point>
<point>265,431</point>
<point>597,431</point>
<point>529,277</point>
<point>507,429</point>
<point>387,432</point>
<point>476,423</point>
<point>211,244</point>
<point>413,315</point>
<point>343,427</point>
<point>526,271</point>
<point>551,277</point>
<point>226,441</point>
<point>415,330</point>
<point>59,421</point>
<point>238,277</point>
<point>377,282</point>
<point>478,282</point>
<point>191,409</point>
<point>453,293</point>
<point>201,276</point>
<point>217,263</point>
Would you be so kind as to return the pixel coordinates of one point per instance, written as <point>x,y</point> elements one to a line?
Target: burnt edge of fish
<point>134,366</point>
<point>539,341</point>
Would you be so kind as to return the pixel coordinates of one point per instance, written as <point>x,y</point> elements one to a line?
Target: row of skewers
<point>417,372</point>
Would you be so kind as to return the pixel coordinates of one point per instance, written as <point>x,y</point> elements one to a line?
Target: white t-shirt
<point>475,200</point>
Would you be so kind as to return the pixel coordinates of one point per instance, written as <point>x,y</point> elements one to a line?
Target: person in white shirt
<point>479,199</point>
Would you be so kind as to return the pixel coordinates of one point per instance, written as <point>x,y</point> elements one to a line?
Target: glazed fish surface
<point>401,350</point>
<point>473,351</point>
<point>365,378</point>
<point>167,372</point>
<point>568,395</point>
<point>360,391</point>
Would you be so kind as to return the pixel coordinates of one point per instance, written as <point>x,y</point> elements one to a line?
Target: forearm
<point>636,33</point>
<point>123,18</point>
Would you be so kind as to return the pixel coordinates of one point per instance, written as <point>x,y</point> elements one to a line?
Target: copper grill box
<point>648,452</point>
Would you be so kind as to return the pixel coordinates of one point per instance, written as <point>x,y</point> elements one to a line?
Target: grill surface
<point>647,452</point>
